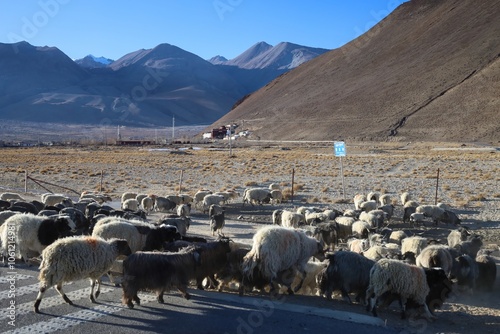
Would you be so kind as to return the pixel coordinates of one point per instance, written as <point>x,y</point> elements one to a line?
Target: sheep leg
<point>183,290</point>
<point>402,304</point>
<point>136,299</point>
<point>98,291</point>
<point>298,287</point>
<point>345,295</point>
<point>159,297</point>
<point>61,292</point>
<point>39,298</point>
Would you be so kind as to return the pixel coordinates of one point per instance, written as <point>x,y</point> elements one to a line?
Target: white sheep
<point>127,195</point>
<point>411,203</point>
<point>53,199</point>
<point>198,197</point>
<point>183,210</point>
<point>344,226</point>
<point>277,196</point>
<point>397,236</point>
<point>405,197</point>
<point>368,206</point>
<point>256,195</point>
<point>309,287</point>
<point>373,196</point>
<point>358,245</point>
<point>186,199</point>
<point>175,198</point>
<point>291,219</point>
<point>33,233</point>
<point>408,281</point>
<point>276,249</point>
<point>443,206</point>
<point>358,199</point>
<point>130,204</point>
<point>385,199</point>
<point>11,196</point>
<point>75,258</point>
<point>413,244</point>
<point>375,218</point>
<point>361,229</point>
<point>148,204</point>
<point>211,199</point>
<point>315,217</point>
<point>274,186</point>
<point>432,211</point>
<point>436,256</point>
<point>417,218</point>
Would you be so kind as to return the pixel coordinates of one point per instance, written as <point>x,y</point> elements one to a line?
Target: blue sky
<point>113,28</point>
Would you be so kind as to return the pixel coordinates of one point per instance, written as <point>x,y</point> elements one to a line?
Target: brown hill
<point>429,71</point>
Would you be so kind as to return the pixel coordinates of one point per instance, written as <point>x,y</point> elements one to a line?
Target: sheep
<point>256,195</point>
<point>451,217</point>
<point>385,199</point>
<point>277,196</point>
<point>487,272</point>
<point>432,211</point>
<point>140,236</point>
<point>407,212</point>
<point>181,223</point>
<point>315,217</point>
<point>130,204</point>
<point>186,199</point>
<point>466,272</point>
<point>276,217</point>
<point>358,245</point>
<point>408,281</point>
<point>128,195</point>
<point>375,218</point>
<point>174,198</point>
<point>351,213</point>
<point>348,272</point>
<point>332,213</point>
<point>309,287</point>
<point>471,246</point>
<point>344,226</point>
<point>326,233</point>
<point>159,272</point>
<point>183,210</point>
<point>217,223</point>
<point>163,204</point>
<point>388,209</point>
<point>215,209</point>
<point>411,204</point>
<point>211,199</point>
<point>368,206</point>
<point>443,206</point>
<point>232,270</point>
<point>291,219</point>
<point>11,196</point>
<point>198,197</point>
<point>361,229</point>
<point>213,258</point>
<point>397,237</point>
<point>33,233</point>
<point>436,256</point>
<point>413,244</point>
<point>74,258</point>
<point>376,252</point>
<point>373,196</point>
<point>78,217</point>
<point>358,199</point>
<point>457,236</point>
<point>276,249</point>
<point>4,215</point>
<point>417,218</point>
<point>274,186</point>
<point>405,197</point>
<point>148,204</point>
<point>53,199</point>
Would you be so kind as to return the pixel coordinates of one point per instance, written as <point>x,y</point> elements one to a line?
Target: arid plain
<point>469,181</point>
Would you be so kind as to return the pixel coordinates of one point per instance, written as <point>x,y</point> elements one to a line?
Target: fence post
<point>437,186</point>
<point>102,176</point>
<point>293,179</point>
<point>180,181</point>
<point>25,180</point>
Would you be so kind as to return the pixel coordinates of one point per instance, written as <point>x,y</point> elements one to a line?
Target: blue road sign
<point>339,148</point>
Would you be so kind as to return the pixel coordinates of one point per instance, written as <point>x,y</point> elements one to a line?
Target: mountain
<point>91,61</point>
<point>428,71</point>
<point>142,88</point>
<point>283,56</point>
<point>217,60</point>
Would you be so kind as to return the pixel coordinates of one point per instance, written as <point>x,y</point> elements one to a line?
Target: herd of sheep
<point>305,250</point>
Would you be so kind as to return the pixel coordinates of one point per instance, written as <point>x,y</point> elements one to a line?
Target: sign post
<point>339,148</point>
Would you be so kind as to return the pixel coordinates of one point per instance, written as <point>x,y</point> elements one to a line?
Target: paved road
<point>206,312</point>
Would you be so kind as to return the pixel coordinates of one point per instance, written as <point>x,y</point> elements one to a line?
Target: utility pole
<point>173,128</point>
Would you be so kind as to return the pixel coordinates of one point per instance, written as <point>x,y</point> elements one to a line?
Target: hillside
<point>428,71</point>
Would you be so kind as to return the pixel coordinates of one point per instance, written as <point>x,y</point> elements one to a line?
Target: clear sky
<point>113,28</point>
